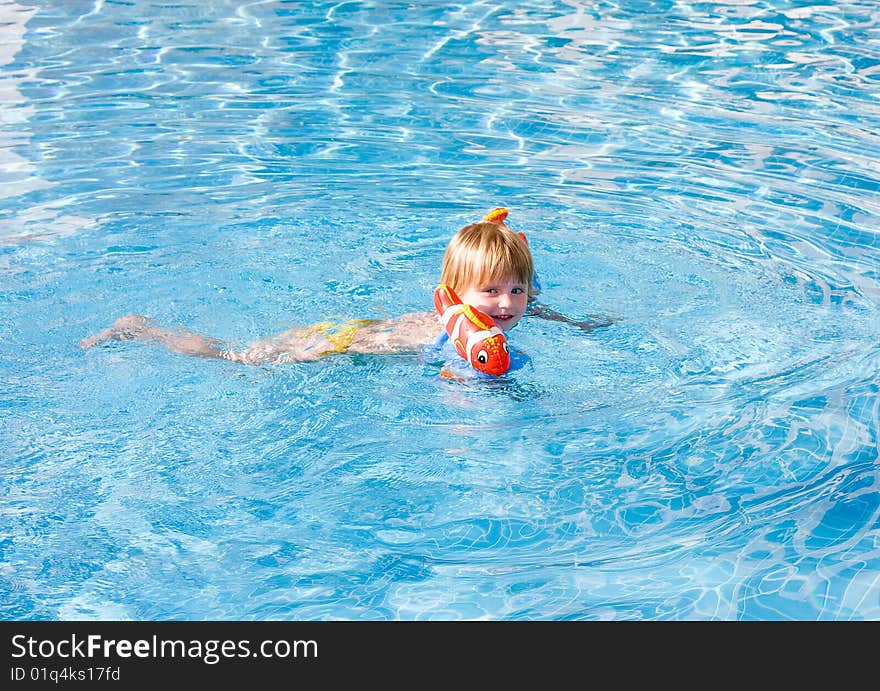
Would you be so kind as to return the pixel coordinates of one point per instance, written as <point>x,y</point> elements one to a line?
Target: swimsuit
<point>339,334</point>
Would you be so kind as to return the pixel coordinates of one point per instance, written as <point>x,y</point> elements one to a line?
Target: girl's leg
<point>134,327</point>
<point>294,345</point>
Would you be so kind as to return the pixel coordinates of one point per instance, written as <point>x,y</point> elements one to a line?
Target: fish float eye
<point>504,345</point>
<point>483,357</point>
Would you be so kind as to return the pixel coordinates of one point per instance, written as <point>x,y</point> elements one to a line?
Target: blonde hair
<point>486,251</point>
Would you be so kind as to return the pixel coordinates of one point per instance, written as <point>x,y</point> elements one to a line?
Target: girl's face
<point>503,299</point>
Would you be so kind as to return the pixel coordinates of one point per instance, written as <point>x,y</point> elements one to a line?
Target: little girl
<point>487,264</point>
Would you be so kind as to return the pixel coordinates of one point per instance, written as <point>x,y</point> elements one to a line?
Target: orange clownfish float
<point>475,335</point>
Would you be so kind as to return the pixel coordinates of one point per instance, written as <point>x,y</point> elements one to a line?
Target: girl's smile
<point>504,300</point>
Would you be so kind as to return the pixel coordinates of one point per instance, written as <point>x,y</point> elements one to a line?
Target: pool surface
<point>706,173</point>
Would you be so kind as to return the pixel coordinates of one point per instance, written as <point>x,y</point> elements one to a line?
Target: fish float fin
<point>499,215</point>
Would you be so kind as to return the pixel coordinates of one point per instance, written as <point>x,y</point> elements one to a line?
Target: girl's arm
<point>593,321</point>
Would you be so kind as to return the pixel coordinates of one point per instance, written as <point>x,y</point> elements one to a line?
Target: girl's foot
<point>128,328</point>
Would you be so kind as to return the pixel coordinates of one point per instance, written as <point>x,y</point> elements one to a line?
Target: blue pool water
<point>706,172</point>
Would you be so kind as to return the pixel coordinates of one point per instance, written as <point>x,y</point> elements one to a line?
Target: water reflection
<point>18,175</point>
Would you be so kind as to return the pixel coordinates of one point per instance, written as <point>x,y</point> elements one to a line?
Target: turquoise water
<point>705,172</point>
